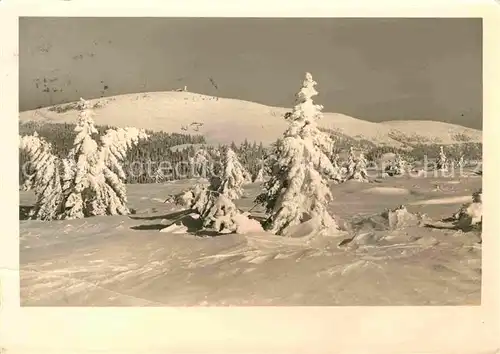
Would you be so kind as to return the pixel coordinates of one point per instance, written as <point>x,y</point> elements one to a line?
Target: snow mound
<point>387,191</point>
<point>310,229</point>
<point>370,230</point>
<point>440,201</point>
<point>400,218</point>
<point>245,225</point>
<point>390,219</point>
<point>175,229</point>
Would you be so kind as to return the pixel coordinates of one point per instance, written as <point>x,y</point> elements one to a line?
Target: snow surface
<point>126,261</point>
<point>386,190</point>
<point>224,120</point>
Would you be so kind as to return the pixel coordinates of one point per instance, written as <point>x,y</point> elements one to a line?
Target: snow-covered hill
<point>222,120</point>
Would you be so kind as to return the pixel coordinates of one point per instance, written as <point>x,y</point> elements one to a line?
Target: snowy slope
<point>223,120</point>
<point>126,261</point>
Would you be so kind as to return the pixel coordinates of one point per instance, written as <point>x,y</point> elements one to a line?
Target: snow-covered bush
<point>90,181</point>
<point>396,167</point>
<point>400,217</point>
<point>298,189</point>
<point>214,203</point>
<point>470,215</point>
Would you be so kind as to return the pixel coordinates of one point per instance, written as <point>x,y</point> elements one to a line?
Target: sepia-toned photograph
<point>250,161</point>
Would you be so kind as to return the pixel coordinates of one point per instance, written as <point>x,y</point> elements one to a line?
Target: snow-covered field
<point>126,261</point>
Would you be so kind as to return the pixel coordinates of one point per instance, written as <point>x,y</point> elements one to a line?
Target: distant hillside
<point>223,120</point>
<point>431,132</point>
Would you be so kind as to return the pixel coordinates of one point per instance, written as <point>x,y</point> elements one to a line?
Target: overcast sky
<point>373,69</point>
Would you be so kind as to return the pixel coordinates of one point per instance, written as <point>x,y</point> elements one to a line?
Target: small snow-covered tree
<point>90,180</point>
<point>298,189</point>
<point>461,163</point>
<point>214,203</point>
<point>200,162</point>
<point>350,163</point>
<point>159,175</point>
<point>356,167</point>
<point>442,163</point>
<point>233,175</point>
<point>259,177</point>
<point>339,175</point>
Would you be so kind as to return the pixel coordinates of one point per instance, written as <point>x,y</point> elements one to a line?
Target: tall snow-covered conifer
<point>298,189</point>
<point>86,178</point>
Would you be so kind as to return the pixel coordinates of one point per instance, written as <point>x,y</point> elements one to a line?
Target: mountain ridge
<point>224,120</point>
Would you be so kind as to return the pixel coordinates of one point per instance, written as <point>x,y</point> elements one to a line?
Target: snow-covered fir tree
<point>340,172</point>
<point>159,175</point>
<point>85,176</point>
<point>200,163</point>
<point>259,177</point>
<point>234,175</point>
<point>442,163</point>
<point>90,180</point>
<point>45,180</point>
<point>350,164</point>
<point>360,173</point>
<point>356,167</point>
<point>298,189</point>
<point>111,199</point>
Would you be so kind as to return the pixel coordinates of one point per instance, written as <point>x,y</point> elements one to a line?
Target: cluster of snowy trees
<point>89,181</point>
<point>296,174</point>
<point>214,203</point>
<point>162,157</point>
<point>398,166</point>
